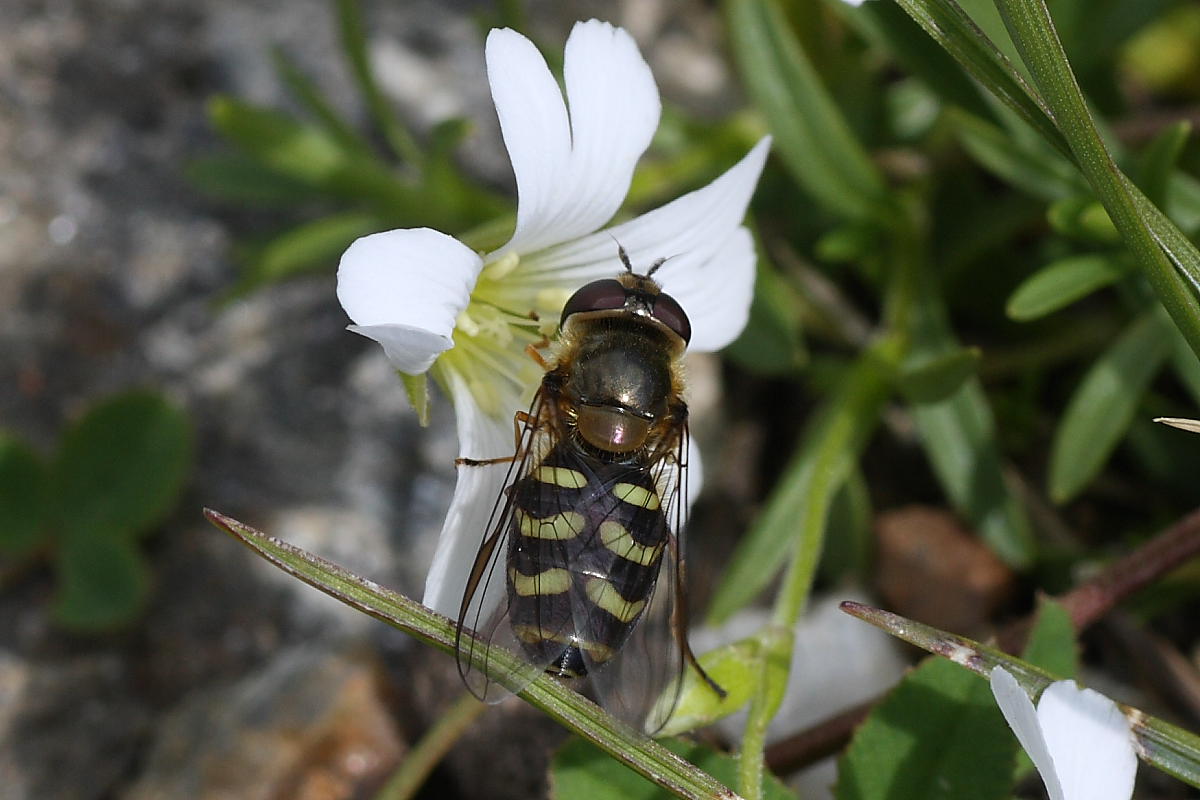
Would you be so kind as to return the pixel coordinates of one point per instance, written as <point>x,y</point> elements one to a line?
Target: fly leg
<point>521,421</point>
<point>679,619</point>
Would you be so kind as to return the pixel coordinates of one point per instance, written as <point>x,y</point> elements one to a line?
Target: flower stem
<point>437,741</point>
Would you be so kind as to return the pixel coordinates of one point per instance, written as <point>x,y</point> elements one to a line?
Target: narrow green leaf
<point>1031,167</point>
<point>1032,30</point>
<point>938,734</point>
<point>932,380</point>
<point>1061,283</point>
<point>1052,645</point>
<point>22,498</point>
<point>798,507</point>
<point>301,152</point>
<point>102,581</point>
<point>958,435</point>
<point>1082,217</point>
<point>354,43</point>
<point>1102,406</point>
<point>812,136</point>
<point>238,178</point>
<point>1157,162</point>
<point>120,468</point>
<point>570,709</point>
<point>580,770</point>
<point>313,99</point>
<point>307,247</point>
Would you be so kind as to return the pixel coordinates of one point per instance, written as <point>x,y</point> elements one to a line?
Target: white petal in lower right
<point>1090,740</point>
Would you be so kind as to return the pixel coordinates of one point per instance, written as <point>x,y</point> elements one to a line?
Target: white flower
<point>1078,739</point>
<point>436,305</point>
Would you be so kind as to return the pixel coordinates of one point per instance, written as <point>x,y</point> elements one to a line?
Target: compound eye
<point>670,313</point>
<point>601,295</point>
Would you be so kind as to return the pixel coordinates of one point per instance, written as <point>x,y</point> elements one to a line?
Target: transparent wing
<point>486,642</point>
<point>631,686</point>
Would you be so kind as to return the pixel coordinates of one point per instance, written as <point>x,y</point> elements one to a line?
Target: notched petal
<point>400,284</point>
<point>572,171</point>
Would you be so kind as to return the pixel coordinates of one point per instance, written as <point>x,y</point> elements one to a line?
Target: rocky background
<point>237,682</point>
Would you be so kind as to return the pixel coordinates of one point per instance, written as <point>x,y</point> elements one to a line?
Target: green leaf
<point>771,342</point>
<point>580,770</point>
<point>301,152</point>
<point>1081,217</point>
<point>238,178</point>
<point>932,380</point>
<point>102,581</point>
<point>307,247</point>
<point>1157,162</point>
<point>1051,643</point>
<point>797,509</point>
<point>1102,406</point>
<point>958,435</point>
<point>568,707</point>
<point>1030,166</point>
<point>735,669</point>
<point>307,154</point>
<point>938,734</point>
<point>1061,283</point>
<point>120,468</point>
<point>313,99</point>
<point>22,498</point>
<point>811,135</point>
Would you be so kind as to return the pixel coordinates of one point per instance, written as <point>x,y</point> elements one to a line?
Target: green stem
<point>412,772</point>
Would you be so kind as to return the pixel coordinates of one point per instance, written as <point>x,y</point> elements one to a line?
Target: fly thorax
<point>620,383</point>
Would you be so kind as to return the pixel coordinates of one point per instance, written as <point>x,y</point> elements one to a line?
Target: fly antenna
<point>658,263</point>
<point>622,254</point>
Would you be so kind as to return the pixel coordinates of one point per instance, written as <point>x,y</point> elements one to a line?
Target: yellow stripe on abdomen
<point>602,593</point>
<point>559,527</point>
<point>616,538</point>
<point>553,581</point>
<point>637,495</point>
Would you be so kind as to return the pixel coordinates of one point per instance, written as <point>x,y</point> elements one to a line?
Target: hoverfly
<point>590,521</point>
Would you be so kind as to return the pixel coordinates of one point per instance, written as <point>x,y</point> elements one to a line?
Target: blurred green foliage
<point>117,473</point>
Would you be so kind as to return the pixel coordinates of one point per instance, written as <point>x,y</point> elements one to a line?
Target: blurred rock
<point>313,724</point>
<point>931,569</point>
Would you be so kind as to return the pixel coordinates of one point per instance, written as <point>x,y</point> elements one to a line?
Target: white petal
<point>480,436</point>
<point>1021,717</point>
<point>405,288</point>
<point>572,172</point>
<point>1090,741</point>
<point>411,350</point>
<point>711,260</point>
<point>695,476</point>
<point>716,293</point>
